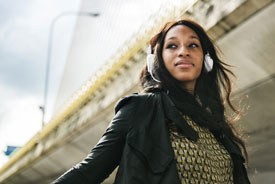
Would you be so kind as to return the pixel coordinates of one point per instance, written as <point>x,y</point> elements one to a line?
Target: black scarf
<point>188,105</point>
<point>200,113</point>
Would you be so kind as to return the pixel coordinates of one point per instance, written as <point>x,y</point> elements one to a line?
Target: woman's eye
<point>171,46</point>
<point>193,45</point>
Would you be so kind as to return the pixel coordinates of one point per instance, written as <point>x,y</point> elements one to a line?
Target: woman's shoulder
<point>138,99</point>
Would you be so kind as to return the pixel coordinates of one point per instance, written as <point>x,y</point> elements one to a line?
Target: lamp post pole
<point>50,40</point>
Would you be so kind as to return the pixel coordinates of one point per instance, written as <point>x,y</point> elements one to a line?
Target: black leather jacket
<point>137,140</point>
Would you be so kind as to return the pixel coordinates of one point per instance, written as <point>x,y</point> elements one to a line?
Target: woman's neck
<point>189,87</point>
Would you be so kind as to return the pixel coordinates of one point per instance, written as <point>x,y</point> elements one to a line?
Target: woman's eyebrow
<point>172,38</point>
<point>192,37</point>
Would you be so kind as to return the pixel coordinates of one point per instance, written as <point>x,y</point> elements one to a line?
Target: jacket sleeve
<point>106,155</point>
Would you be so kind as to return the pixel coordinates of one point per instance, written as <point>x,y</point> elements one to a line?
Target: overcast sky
<point>24,30</point>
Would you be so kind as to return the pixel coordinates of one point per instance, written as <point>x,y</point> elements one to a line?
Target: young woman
<point>175,130</point>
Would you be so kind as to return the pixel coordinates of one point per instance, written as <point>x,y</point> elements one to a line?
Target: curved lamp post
<point>50,40</point>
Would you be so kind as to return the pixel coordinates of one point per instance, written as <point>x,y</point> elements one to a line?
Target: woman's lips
<point>184,64</point>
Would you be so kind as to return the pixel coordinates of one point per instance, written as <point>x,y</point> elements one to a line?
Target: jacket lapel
<point>149,134</point>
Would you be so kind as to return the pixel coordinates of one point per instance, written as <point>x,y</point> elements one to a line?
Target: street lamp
<point>50,40</point>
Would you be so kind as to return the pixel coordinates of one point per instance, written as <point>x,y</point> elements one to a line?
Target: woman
<point>175,131</point>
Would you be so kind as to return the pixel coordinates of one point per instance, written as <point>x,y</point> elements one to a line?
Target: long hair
<point>213,88</point>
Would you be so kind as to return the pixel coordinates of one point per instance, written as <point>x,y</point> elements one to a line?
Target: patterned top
<point>204,161</point>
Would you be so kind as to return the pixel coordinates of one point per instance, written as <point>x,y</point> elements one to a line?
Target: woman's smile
<point>183,64</point>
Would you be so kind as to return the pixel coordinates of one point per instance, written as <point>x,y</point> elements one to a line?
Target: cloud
<point>20,120</point>
<point>12,8</point>
<point>24,43</point>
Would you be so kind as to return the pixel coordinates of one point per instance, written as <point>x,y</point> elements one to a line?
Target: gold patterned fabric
<point>204,161</point>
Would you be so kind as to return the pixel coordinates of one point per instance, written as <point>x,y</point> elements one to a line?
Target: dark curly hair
<point>213,88</point>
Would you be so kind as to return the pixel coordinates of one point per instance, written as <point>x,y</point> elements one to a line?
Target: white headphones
<point>150,62</point>
<point>208,62</point>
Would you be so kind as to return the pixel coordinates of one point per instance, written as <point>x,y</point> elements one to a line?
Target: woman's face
<point>183,55</point>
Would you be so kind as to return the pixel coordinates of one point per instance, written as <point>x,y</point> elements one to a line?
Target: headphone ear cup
<point>208,63</point>
<point>150,62</point>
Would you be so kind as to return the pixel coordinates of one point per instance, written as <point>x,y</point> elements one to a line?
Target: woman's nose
<point>183,51</point>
